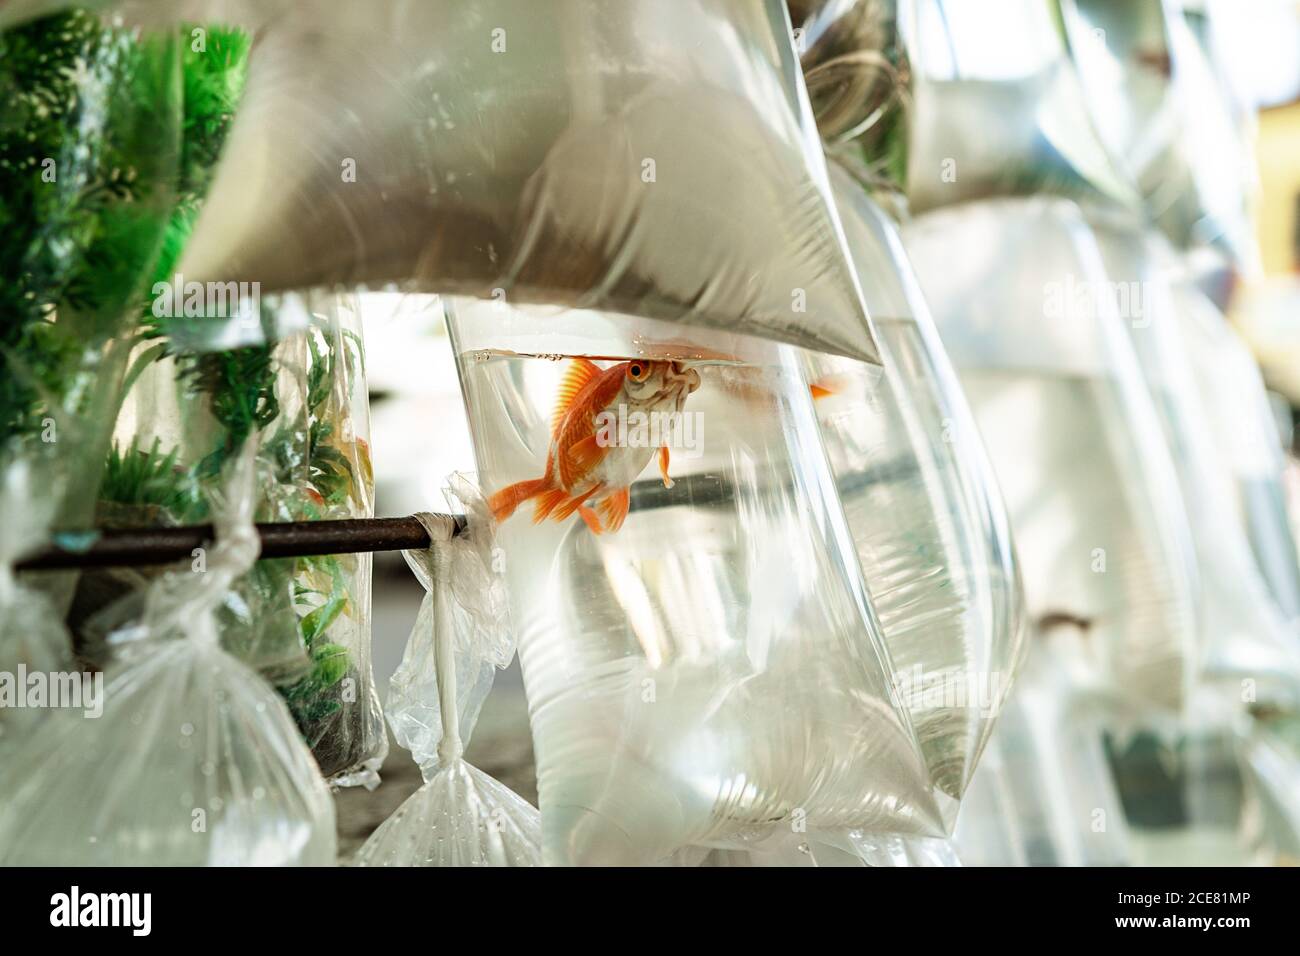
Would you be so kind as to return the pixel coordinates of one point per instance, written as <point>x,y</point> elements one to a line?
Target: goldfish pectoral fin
<point>614,509</point>
<point>579,373</point>
<point>589,517</point>
<point>820,391</point>
<point>663,466</point>
<point>580,458</point>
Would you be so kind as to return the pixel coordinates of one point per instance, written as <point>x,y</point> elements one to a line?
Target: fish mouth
<point>684,377</point>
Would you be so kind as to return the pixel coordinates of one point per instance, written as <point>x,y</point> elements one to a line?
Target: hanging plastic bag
<point>1271,756</point>
<point>303,623</point>
<point>88,156</point>
<point>33,639</point>
<point>461,816</point>
<point>927,519</point>
<point>1043,794</point>
<point>700,658</point>
<point>1159,108</point>
<point>593,160</point>
<point>1189,794</point>
<point>998,109</point>
<point>1239,423</point>
<point>1099,521</point>
<point>1246,636</point>
<point>194,759</point>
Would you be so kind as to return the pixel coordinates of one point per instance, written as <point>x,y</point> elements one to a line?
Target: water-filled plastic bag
<point>855,65</point>
<point>194,760</point>
<point>576,152</point>
<point>700,657</point>
<point>89,149</point>
<point>1043,794</point>
<point>1239,423</point>
<point>1025,313</point>
<point>927,519</point>
<point>1190,792</point>
<point>998,109</point>
<point>1246,635</point>
<point>1163,115</point>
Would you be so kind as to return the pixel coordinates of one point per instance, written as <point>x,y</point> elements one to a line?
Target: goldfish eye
<point>637,372</point>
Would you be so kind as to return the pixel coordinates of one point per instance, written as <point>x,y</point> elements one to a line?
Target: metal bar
<point>142,546</point>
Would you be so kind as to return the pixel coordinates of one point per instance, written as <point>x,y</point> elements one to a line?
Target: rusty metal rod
<point>290,539</point>
<point>144,546</point>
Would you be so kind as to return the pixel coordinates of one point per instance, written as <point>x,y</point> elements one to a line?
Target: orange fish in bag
<point>587,464</point>
<point>707,670</point>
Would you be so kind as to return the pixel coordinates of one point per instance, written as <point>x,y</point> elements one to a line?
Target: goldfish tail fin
<point>505,501</point>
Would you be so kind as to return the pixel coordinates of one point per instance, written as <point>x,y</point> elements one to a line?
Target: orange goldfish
<point>583,473</point>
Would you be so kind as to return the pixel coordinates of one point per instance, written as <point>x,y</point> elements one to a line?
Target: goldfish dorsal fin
<point>579,373</point>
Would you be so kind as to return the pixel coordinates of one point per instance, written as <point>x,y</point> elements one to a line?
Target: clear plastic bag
<point>998,109</point>
<point>594,160</point>
<point>194,759</point>
<point>1239,423</point>
<point>88,161</point>
<point>707,667</point>
<point>33,638</point>
<point>1189,793</point>
<point>1271,756</point>
<point>1099,521</point>
<point>1246,636</point>
<point>927,518</point>
<point>1043,794</point>
<point>461,816</point>
<point>856,68</point>
<point>1161,112</point>
<point>303,623</point>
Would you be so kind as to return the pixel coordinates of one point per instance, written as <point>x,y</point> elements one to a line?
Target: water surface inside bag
<point>1095,505</point>
<point>708,665</point>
